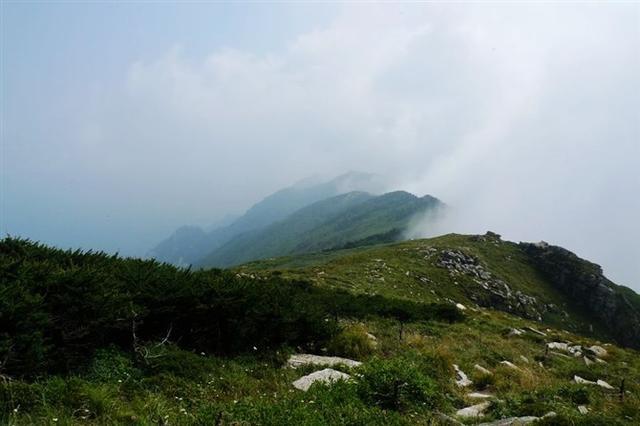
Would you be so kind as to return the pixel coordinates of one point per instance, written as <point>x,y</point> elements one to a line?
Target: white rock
<point>327,376</point>
<point>482,370</point>
<point>587,361</point>
<point>538,332</point>
<point>479,395</point>
<point>307,359</point>
<point>510,365</point>
<point>474,410</point>
<point>582,409</point>
<point>598,350</point>
<point>461,379</point>
<point>512,421</point>
<point>524,359</point>
<point>604,384</point>
<point>461,306</point>
<point>515,332</point>
<point>580,380</point>
<point>558,345</point>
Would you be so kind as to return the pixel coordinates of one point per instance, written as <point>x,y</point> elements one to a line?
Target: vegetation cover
<point>88,338</point>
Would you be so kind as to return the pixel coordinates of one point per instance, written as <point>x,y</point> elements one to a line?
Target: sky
<point>123,121</point>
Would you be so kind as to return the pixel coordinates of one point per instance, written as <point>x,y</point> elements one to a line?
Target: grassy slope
<point>399,270</point>
<point>186,388</point>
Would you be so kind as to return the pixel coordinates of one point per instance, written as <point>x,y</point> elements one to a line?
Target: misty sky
<point>121,122</point>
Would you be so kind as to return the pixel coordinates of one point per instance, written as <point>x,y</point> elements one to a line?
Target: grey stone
<point>326,376</point>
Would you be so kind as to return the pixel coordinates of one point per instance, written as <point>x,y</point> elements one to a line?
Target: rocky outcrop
<point>616,307</point>
<point>491,291</point>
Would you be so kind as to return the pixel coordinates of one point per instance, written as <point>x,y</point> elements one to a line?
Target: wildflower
<point>255,349</point>
<point>55,419</point>
<point>235,401</point>
<point>202,353</point>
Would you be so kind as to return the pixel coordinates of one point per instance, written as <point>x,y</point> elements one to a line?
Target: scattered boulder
<point>461,379</point>
<point>327,376</point>
<point>538,332</point>
<point>512,421</point>
<point>298,360</point>
<point>482,370</point>
<point>479,395</point>
<point>510,365</point>
<point>587,361</point>
<point>524,359</point>
<point>558,345</point>
<point>474,410</point>
<point>461,306</point>
<point>583,409</point>
<point>516,332</point>
<point>582,381</point>
<point>604,384</point>
<point>598,351</point>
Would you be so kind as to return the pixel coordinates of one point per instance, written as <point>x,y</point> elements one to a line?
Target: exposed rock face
<point>461,379</point>
<point>616,307</point>
<point>492,291</point>
<point>327,376</point>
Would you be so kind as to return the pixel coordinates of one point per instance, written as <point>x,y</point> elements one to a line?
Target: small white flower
<point>255,349</point>
<point>55,419</point>
<point>202,353</point>
<point>119,381</point>
<point>235,401</point>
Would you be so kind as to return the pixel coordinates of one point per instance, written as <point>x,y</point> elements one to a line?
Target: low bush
<point>352,342</point>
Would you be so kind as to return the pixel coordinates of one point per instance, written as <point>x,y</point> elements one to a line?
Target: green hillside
<point>87,338</point>
<point>326,224</point>
<point>189,244</point>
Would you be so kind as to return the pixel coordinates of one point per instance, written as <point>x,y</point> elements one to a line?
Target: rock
<point>512,421</point>
<point>461,306</point>
<point>461,379</point>
<point>524,359</point>
<point>587,361</point>
<point>510,365</point>
<point>327,376</point>
<point>598,351</point>
<point>604,384</point>
<point>447,420</point>
<point>308,359</point>
<point>559,346</point>
<point>582,381</point>
<point>538,332</point>
<point>482,370</point>
<point>515,332</point>
<point>479,395</point>
<point>474,410</point>
<point>583,409</point>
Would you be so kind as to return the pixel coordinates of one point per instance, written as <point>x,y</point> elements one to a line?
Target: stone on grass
<point>298,360</point>
<point>510,365</point>
<point>587,361</point>
<point>461,379</point>
<point>538,332</point>
<point>524,359</point>
<point>582,381</point>
<point>461,306</point>
<point>482,370</point>
<point>326,376</point>
<point>479,395</point>
<point>583,409</point>
<point>598,351</point>
<point>515,332</point>
<point>558,345</point>
<point>473,410</point>
<point>512,421</point>
<point>604,384</point>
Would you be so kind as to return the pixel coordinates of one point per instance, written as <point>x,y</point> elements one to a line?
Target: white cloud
<point>523,117</point>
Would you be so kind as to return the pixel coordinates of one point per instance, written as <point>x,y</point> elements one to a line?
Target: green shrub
<point>396,384</point>
<point>352,342</point>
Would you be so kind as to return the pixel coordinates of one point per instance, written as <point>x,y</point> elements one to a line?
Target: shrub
<point>396,384</point>
<point>352,342</point>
